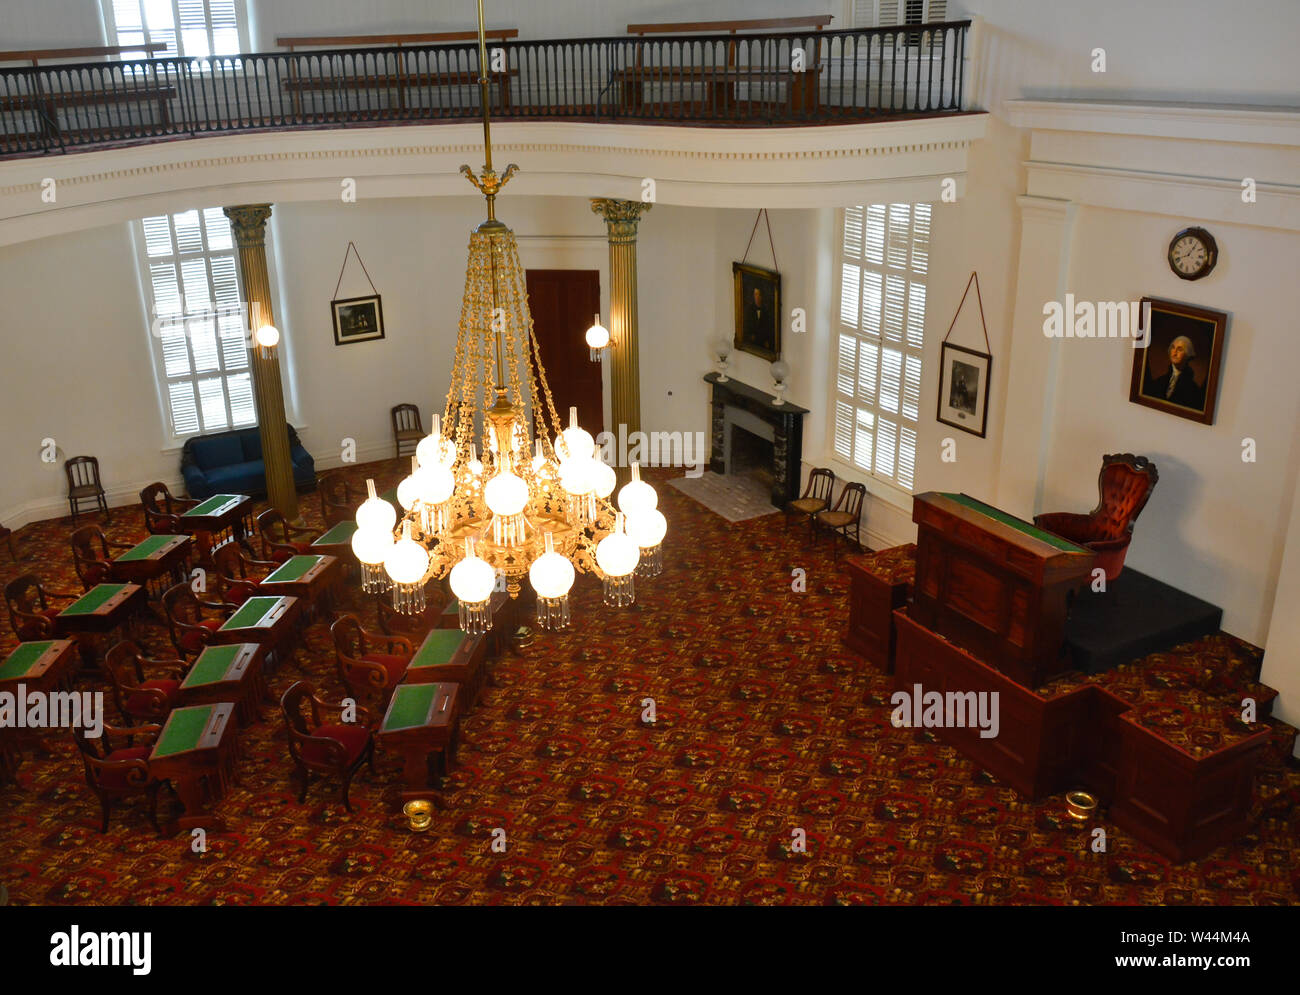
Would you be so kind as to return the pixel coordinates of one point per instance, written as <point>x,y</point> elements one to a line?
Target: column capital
<point>621,216</point>
<point>248,222</point>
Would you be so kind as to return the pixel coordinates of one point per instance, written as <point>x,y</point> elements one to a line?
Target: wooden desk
<point>39,667</point>
<point>451,656</point>
<point>421,725</point>
<point>158,558</point>
<point>197,751</point>
<point>233,673</point>
<point>337,542</point>
<point>504,620</point>
<point>996,585</point>
<point>269,621</point>
<point>101,609</point>
<point>311,578</point>
<point>218,520</point>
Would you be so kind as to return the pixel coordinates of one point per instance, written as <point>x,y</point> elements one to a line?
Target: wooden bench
<point>400,81</point>
<point>47,104</point>
<point>720,80</point>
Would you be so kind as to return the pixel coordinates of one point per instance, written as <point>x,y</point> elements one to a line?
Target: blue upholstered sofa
<point>231,463</point>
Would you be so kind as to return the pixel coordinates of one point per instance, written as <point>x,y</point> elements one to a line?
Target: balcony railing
<point>822,77</point>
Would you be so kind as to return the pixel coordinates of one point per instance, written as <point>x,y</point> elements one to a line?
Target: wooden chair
<point>278,542</point>
<point>30,612</point>
<point>1124,487</point>
<point>336,501</point>
<point>162,511</point>
<point>236,574</point>
<point>121,770</point>
<point>142,698</point>
<point>366,671</point>
<point>190,631</point>
<point>332,749</point>
<point>845,516</point>
<point>84,484</point>
<point>7,535</point>
<point>816,497</point>
<point>90,555</point>
<point>407,429</point>
<point>395,623</point>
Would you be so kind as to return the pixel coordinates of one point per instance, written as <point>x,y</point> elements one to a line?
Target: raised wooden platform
<point>1176,774</point>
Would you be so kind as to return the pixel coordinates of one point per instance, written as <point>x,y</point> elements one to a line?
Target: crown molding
<point>1250,124</point>
<point>737,167</point>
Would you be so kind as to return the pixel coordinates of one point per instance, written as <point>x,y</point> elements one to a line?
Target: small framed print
<point>1178,370</point>
<point>357,319</point>
<point>964,389</point>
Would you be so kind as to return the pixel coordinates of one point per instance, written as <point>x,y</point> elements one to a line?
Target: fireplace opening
<point>751,455</point>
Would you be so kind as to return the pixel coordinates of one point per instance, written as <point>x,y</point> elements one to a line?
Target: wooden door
<point>563,303</point>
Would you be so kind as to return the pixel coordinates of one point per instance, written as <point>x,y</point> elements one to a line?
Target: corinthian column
<point>249,225</point>
<point>621,217</point>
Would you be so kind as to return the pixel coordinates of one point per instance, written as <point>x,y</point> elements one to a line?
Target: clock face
<point>1192,253</point>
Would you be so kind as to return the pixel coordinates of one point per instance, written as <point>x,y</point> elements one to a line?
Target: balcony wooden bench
<point>400,81</point>
<point>720,81</point>
<point>47,105</point>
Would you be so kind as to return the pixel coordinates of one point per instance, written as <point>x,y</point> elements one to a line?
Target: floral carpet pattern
<point>772,774</point>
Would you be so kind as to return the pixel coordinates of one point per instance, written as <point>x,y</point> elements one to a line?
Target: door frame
<point>575,252</point>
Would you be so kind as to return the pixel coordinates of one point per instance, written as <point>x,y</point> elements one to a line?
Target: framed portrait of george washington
<point>1178,370</point>
<point>758,310</point>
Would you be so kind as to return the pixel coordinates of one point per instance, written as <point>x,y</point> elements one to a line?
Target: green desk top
<point>343,532</point>
<point>410,707</point>
<point>440,646</point>
<point>183,729</point>
<point>251,614</point>
<point>292,569</point>
<point>211,505</point>
<point>92,600</point>
<point>211,666</point>
<point>1018,524</point>
<point>20,661</point>
<point>145,549</point>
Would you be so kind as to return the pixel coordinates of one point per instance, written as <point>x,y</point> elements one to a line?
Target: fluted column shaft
<point>248,222</point>
<point>621,219</point>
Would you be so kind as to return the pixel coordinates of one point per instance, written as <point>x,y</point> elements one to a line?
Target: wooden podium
<point>995,585</point>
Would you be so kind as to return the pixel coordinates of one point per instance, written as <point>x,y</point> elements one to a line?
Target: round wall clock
<point>1193,253</point>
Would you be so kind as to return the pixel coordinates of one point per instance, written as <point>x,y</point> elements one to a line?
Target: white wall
<point>1214,523</point>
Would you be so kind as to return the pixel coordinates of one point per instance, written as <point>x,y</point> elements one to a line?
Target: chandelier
<point>499,490</point>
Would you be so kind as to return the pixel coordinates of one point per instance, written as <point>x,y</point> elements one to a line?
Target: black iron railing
<point>813,77</point>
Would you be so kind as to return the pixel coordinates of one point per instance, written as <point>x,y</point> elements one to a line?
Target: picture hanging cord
<point>351,249</point>
<point>975,279</point>
<point>762,216</point>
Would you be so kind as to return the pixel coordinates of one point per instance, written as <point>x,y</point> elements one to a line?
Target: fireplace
<point>750,432</point>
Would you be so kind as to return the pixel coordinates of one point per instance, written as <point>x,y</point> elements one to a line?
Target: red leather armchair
<point>1125,485</point>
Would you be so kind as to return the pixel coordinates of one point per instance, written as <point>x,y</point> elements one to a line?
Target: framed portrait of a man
<point>964,388</point>
<point>758,310</point>
<point>1178,370</point>
<point>357,319</point>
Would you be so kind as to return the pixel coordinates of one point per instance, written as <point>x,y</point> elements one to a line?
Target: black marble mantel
<point>787,432</point>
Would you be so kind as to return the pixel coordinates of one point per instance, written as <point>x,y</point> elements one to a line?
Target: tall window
<point>198,326</point>
<point>885,13</point>
<point>885,254</point>
<point>195,29</point>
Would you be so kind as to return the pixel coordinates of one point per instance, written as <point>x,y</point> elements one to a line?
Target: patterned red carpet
<point>766,724</point>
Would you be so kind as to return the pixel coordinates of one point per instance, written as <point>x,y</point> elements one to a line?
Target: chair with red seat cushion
<point>141,696</point>
<point>1124,484</point>
<point>333,748</point>
<point>162,511</point>
<point>30,612</point>
<point>190,630</point>
<point>236,574</point>
<point>117,766</point>
<point>91,556</point>
<point>337,503</point>
<point>278,542</point>
<point>396,623</point>
<point>370,664</point>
